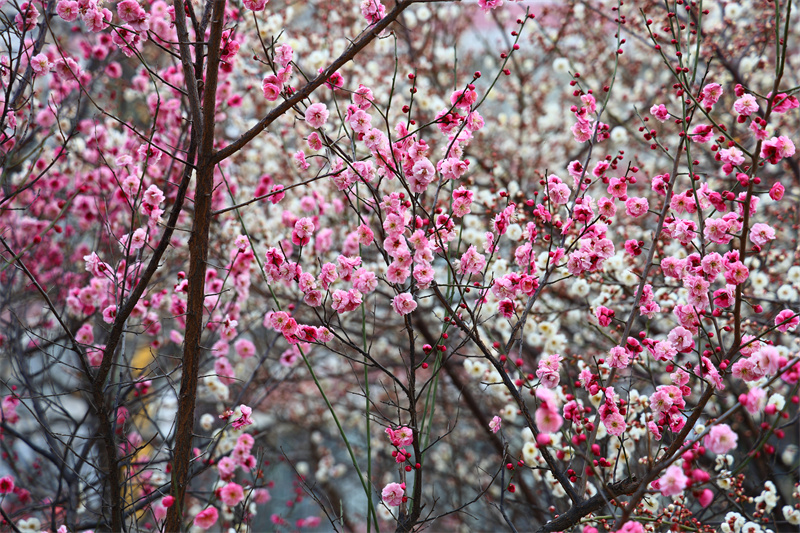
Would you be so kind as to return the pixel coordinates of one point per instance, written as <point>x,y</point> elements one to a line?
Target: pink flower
<point>673,481</point>
<point>495,424</point>
<point>777,190</point>
<point>243,420</point>
<point>373,10</point>
<point>615,424</point>
<point>761,234</point>
<point>711,94</point>
<point>706,497</point>
<point>660,112</point>
<point>40,64</point>
<point>255,5</point>
<point>787,320</point>
<point>488,5</point>
<point>317,115</point>
<point>776,149</point>
<point>67,10</point>
<point>721,439</point>
<point>636,207</point>
<point>206,518</point>
<point>618,357</point>
<point>402,436</point>
<point>231,494</point>
<point>6,484</point>
<point>746,105</point>
<point>628,527</point>
<point>245,348</point>
<point>392,494</point>
<point>702,133</point>
<point>404,303</point>
<point>271,90</point>
<point>226,467</point>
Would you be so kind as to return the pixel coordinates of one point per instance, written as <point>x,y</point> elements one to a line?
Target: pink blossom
<point>618,357</point>
<point>673,481</point>
<point>720,439</point>
<point>40,64</point>
<point>255,5</point>
<point>746,105</point>
<point>495,424</point>
<point>272,91</point>
<point>711,93</point>
<point>702,133</point>
<point>392,494</point>
<point>67,10</point>
<point>787,320</point>
<point>244,348</point>
<point>488,5</point>
<point>6,484</point>
<point>615,424</point>
<point>317,115</point>
<point>404,303</point>
<point>206,518</point>
<point>776,191</point>
<point>226,467</point>
<point>777,148</point>
<point>660,112</point>
<point>373,10</point>
<point>636,207</point>
<point>243,420</point>
<point>231,494</point>
<point>402,436</point>
<point>761,234</point>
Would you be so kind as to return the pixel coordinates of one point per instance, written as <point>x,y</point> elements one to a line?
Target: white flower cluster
<point>769,497</point>
<point>791,515</point>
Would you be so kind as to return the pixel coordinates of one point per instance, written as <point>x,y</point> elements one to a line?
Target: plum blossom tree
<point>367,265</point>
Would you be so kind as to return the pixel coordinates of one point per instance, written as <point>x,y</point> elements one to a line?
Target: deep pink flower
<point>787,320</point>
<point>231,494</point>
<point>206,518</point>
<point>6,484</point>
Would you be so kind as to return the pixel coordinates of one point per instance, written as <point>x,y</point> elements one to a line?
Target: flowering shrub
<point>472,265</point>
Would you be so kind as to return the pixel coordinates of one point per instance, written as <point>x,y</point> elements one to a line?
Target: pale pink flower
<point>746,105</point>
<point>721,439</point>
<point>67,10</point>
<point>243,420</point>
<point>615,424</point>
<point>40,64</point>
<point>244,348</point>
<point>317,115</point>
<point>392,494</point>
<point>618,357</point>
<point>404,303</point>
<point>402,436</point>
<point>761,234</point>
<point>673,481</point>
<point>495,424</point>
